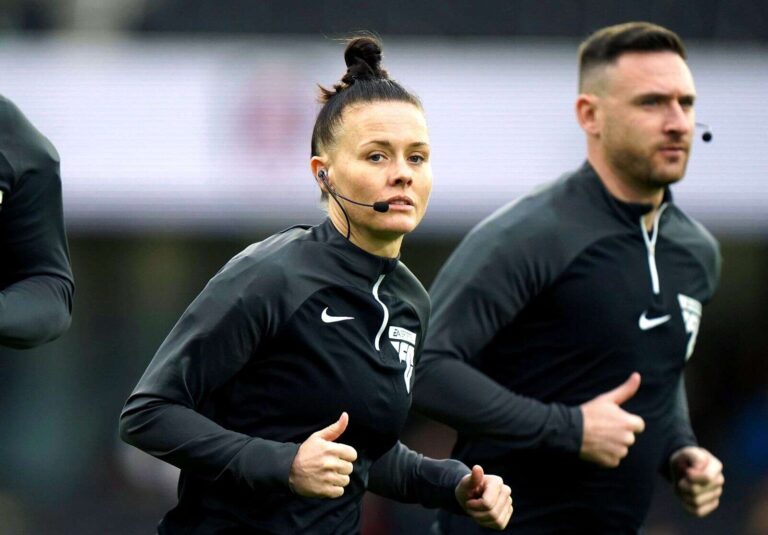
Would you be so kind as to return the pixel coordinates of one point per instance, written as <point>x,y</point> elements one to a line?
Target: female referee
<point>283,388</point>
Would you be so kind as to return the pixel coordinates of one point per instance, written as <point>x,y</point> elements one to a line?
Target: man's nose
<point>679,119</point>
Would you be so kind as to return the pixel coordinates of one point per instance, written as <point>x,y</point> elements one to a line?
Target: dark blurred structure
<point>732,20</point>
<point>692,19</point>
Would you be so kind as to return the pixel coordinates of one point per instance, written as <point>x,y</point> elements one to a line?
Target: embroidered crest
<point>404,342</point>
<point>691,309</point>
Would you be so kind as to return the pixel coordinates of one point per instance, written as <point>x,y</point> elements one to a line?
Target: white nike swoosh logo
<point>649,323</point>
<point>327,318</point>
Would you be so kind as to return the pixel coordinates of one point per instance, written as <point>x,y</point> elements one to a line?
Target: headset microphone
<point>379,206</point>
<point>707,135</point>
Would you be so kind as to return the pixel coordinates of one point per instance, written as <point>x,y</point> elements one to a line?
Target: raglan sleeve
<point>482,287</point>
<point>681,434</point>
<point>168,413</point>
<point>403,475</point>
<point>36,282</point>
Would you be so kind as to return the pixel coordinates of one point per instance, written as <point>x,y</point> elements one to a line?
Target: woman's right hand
<point>321,467</point>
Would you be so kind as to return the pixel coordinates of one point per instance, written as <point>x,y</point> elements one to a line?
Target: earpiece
<point>322,174</point>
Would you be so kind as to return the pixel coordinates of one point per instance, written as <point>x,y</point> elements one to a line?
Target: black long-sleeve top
<point>36,283</point>
<point>290,333</point>
<point>551,301</point>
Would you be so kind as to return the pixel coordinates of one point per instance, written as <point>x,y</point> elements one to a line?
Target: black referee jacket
<point>552,300</point>
<point>290,333</point>
<point>36,284</point>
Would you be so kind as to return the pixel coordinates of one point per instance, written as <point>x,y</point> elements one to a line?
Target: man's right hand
<point>609,430</point>
<point>321,467</point>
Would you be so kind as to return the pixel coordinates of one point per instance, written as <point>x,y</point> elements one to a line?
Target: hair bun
<point>363,59</point>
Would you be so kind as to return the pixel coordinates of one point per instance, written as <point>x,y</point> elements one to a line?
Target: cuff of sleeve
<point>570,429</point>
<point>449,501</point>
<point>267,463</point>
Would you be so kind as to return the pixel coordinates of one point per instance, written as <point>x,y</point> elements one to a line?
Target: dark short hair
<point>607,44</point>
<point>364,81</point>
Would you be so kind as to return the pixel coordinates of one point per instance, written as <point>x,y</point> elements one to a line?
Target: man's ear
<point>588,113</point>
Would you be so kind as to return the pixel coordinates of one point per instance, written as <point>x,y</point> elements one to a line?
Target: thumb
<point>696,459</point>
<point>474,485</point>
<point>624,391</point>
<point>335,430</point>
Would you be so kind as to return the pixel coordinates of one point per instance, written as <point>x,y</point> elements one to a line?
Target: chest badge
<point>691,310</point>
<point>404,342</point>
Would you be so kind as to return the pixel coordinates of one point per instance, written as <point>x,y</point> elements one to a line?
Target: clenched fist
<point>697,476</point>
<point>486,499</point>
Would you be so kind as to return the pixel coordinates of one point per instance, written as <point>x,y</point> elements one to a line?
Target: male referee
<point>562,323</point>
<point>36,284</point>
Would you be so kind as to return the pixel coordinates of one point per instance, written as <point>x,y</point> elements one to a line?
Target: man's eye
<point>416,158</point>
<point>650,101</point>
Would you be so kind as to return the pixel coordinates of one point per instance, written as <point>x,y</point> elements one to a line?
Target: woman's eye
<point>376,157</point>
<point>416,158</point>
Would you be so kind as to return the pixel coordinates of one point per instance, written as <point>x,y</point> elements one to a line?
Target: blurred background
<point>184,127</point>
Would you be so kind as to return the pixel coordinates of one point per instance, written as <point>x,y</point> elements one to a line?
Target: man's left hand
<point>485,498</point>
<point>697,476</point>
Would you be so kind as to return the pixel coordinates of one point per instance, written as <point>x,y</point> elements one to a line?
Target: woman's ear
<point>316,165</point>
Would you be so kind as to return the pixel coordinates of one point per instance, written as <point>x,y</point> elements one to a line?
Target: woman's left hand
<point>485,498</point>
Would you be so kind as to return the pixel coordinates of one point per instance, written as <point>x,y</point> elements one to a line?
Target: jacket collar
<point>357,257</point>
<point>625,211</point>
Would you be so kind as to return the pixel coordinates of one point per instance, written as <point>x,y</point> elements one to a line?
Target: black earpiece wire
<point>323,177</point>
